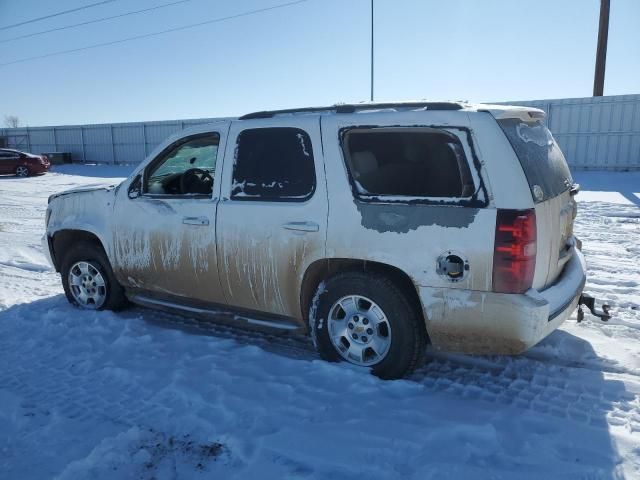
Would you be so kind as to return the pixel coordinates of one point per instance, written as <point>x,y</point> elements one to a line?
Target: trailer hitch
<point>590,302</point>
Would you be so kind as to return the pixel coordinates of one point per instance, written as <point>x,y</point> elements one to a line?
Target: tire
<point>22,171</point>
<point>405,337</point>
<point>108,293</point>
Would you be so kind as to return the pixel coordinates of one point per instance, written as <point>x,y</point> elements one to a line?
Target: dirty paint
<point>401,218</point>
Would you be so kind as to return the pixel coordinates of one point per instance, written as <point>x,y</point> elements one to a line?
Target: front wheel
<point>88,280</point>
<point>368,321</point>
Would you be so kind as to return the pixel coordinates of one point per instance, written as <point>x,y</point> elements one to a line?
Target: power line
<point>103,19</point>
<point>64,12</point>
<point>154,34</point>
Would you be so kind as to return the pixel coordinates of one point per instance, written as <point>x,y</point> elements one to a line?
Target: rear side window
<point>407,162</point>
<point>273,164</point>
<point>542,160</point>
<point>10,155</point>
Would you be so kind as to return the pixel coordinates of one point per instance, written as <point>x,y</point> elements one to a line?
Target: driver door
<point>165,219</point>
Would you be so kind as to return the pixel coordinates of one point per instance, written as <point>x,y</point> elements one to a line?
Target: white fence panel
<point>597,133</point>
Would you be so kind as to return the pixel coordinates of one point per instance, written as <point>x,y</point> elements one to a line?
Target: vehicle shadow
<point>626,184</point>
<point>11,176</point>
<point>548,392</point>
<point>544,400</point>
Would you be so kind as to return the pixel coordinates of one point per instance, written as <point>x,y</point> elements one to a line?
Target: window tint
<point>273,164</point>
<point>542,160</point>
<point>407,162</point>
<point>187,168</point>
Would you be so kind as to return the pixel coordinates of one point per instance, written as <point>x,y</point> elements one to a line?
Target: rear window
<point>407,162</point>
<point>540,156</point>
<point>273,164</point>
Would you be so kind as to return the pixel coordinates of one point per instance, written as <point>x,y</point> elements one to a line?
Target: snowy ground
<point>148,395</point>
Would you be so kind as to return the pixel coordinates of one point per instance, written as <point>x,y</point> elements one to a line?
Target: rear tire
<point>22,171</point>
<point>396,344</point>
<point>88,280</point>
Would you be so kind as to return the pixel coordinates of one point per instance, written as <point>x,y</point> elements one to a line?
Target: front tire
<point>88,280</point>
<point>368,321</point>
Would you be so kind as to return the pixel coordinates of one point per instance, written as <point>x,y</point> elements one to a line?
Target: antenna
<point>371,50</point>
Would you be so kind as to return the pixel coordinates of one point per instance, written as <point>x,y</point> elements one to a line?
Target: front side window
<point>273,164</point>
<point>407,162</point>
<point>185,168</point>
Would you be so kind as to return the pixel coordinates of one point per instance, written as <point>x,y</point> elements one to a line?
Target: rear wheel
<point>369,322</point>
<point>88,280</point>
<point>22,171</point>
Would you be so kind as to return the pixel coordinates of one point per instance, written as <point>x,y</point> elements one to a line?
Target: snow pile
<point>142,394</point>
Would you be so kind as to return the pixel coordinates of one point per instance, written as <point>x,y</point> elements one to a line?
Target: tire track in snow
<point>580,393</point>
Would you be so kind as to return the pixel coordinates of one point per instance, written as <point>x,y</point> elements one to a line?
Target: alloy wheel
<point>359,330</point>
<point>87,285</point>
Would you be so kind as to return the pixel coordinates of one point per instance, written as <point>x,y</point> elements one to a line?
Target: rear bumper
<point>468,321</point>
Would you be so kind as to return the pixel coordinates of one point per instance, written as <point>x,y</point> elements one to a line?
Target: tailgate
<point>554,219</point>
<point>550,181</point>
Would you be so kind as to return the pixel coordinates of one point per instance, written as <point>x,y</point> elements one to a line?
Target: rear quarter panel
<point>509,185</point>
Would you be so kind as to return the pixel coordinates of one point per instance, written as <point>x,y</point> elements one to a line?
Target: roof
<point>498,111</point>
<point>354,107</point>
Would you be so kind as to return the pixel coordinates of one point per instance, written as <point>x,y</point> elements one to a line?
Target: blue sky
<point>312,53</point>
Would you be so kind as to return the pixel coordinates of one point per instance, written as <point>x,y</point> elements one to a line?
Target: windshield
<point>540,156</point>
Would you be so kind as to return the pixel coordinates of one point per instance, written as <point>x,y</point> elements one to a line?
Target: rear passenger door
<point>272,218</point>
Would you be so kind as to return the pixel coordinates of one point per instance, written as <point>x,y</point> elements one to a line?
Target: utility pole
<point>601,53</point>
<point>372,50</point>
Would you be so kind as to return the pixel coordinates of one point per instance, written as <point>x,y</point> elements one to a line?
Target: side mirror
<point>135,188</point>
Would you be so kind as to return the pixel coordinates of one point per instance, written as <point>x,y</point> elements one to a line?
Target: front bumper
<point>39,168</point>
<point>475,322</point>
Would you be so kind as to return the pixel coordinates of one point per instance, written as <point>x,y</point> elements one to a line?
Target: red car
<point>22,164</point>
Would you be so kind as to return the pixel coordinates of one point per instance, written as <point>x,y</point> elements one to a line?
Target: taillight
<point>514,253</point>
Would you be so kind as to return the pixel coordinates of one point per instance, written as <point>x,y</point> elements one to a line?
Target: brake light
<point>514,253</point>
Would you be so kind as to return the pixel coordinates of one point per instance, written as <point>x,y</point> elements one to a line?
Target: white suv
<point>375,228</point>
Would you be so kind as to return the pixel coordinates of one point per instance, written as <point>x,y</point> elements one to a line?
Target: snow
<point>143,394</point>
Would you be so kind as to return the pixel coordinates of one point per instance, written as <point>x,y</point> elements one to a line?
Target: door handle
<point>302,226</point>
<point>195,220</point>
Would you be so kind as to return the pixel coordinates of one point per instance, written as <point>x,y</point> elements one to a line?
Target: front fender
<point>86,211</point>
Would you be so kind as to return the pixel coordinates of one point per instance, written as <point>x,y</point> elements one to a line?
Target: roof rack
<point>354,107</point>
